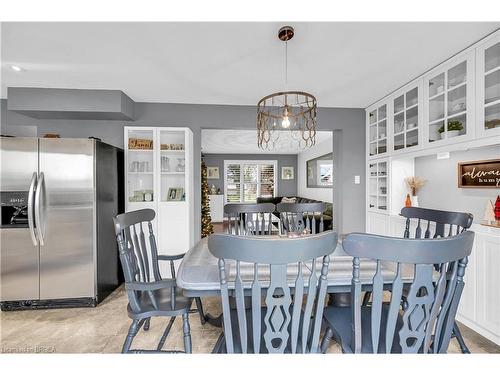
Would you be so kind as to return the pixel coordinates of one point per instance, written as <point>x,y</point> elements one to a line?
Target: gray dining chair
<point>149,294</point>
<point>273,269</point>
<point>429,223</point>
<point>425,323</point>
<point>295,217</point>
<point>246,219</point>
<point>457,222</point>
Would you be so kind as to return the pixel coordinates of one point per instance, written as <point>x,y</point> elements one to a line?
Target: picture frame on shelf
<point>175,194</point>
<point>287,173</point>
<point>213,173</point>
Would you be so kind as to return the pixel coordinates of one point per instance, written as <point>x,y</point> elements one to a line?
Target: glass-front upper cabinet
<point>488,86</point>
<point>377,186</point>
<point>449,100</point>
<point>406,117</point>
<point>140,164</point>
<point>377,130</point>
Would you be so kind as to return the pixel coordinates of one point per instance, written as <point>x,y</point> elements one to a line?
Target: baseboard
<point>480,330</point>
<point>48,304</point>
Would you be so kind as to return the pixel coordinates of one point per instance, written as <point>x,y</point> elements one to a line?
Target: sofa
<point>327,215</point>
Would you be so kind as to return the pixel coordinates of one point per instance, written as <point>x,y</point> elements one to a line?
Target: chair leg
<point>199,306</point>
<point>132,331</point>
<point>327,338</point>
<point>165,334</point>
<point>147,324</point>
<point>460,339</point>
<point>187,333</point>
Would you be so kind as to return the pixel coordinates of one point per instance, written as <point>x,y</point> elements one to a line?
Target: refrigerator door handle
<point>31,197</point>
<point>39,197</point>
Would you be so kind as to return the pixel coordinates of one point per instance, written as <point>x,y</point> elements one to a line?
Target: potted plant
<point>454,128</point>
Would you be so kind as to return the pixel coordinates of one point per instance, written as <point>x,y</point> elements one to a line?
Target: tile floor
<point>103,329</point>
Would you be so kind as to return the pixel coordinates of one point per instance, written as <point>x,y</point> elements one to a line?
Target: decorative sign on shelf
<point>479,174</point>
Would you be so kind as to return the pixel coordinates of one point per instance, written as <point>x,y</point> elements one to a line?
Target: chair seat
<point>339,319</point>
<point>263,349</point>
<point>163,300</point>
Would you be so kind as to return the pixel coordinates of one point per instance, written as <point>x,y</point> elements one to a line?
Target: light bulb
<point>285,123</point>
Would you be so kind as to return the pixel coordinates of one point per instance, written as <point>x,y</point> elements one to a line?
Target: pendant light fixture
<point>286,112</point>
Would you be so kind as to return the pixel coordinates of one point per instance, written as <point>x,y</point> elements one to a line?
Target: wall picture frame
<point>213,173</point>
<point>175,194</point>
<point>320,172</point>
<point>287,173</point>
<point>479,174</point>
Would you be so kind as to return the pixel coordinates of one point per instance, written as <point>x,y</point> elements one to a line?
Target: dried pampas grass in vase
<point>415,184</point>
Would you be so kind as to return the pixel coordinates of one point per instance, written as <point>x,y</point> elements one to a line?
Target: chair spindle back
<point>435,223</point>
<point>278,267</point>
<point>249,219</point>
<point>433,297</point>
<point>133,231</point>
<point>295,217</point>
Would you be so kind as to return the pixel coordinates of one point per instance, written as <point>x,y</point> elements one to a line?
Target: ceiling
<point>342,64</point>
<point>216,141</point>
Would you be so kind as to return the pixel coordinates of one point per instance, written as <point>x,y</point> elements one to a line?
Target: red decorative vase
<point>497,208</point>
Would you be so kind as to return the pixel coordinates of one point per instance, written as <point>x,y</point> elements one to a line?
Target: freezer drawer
<point>67,267</point>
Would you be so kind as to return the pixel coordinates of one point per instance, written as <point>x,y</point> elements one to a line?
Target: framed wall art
<point>479,174</point>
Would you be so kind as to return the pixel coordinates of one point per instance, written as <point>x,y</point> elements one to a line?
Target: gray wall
<point>349,141</point>
<point>285,187</point>
<point>441,190</point>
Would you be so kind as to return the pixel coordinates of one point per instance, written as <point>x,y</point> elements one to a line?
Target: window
<point>245,180</point>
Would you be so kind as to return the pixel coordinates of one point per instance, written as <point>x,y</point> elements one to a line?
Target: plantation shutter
<point>247,180</point>
<point>267,180</point>
<point>233,183</point>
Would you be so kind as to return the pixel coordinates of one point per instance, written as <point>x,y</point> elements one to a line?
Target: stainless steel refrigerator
<point>58,198</point>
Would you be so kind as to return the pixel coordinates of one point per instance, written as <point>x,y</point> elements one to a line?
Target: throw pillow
<point>288,200</point>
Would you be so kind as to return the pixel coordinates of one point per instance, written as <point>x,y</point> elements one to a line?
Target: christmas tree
<point>206,221</point>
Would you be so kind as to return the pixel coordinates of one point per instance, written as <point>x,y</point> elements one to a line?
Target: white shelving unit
<point>152,174</point>
<point>464,89</point>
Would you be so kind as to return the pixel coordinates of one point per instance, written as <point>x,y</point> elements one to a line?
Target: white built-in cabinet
<point>406,117</point>
<point>376,119</point>
<point>488,86</point>
<point>449,101</point>
<point>378,185</point>
<point>454,106</point>
<point>457,101</point>
<point>159,175</point>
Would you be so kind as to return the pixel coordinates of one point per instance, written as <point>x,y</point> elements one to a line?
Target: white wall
<point>441,191</point>
<point>321,194</point>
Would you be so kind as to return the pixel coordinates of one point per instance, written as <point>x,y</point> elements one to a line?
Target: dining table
<point>198,276</point>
